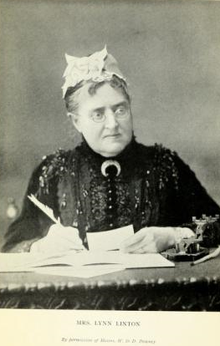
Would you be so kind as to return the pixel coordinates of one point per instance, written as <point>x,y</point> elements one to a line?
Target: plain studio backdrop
<point>169,51</point>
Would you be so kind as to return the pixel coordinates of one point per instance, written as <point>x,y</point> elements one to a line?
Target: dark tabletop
<point>180,288</point>
<point>183,271</point>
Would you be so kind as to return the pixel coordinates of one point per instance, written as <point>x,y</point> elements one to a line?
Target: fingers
<point>139,242</point>
<point>59,239</point>
<point>48,246</point>
<point>150,248</point>
<point>134,240</point>
<point>149,240</point>
<point>69,234</point>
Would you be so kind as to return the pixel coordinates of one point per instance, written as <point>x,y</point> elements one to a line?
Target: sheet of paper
<point>109,240</point>
<point>28,262</point>
<point>21,262</point>
<point>90,258</point>
<point>10,262</point>
<point>80,272</point>
<point>152,260</point>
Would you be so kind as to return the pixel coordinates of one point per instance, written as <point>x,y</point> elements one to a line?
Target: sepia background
<point>169,51</point>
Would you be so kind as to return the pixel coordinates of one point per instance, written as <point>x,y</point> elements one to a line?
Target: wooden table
<point>183,288</point>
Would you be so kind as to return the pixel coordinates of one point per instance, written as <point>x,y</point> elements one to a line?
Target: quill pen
<point>48,211</point>
<point>206,258</point>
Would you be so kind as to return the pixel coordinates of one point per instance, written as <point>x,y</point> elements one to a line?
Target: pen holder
<point>183,256</point>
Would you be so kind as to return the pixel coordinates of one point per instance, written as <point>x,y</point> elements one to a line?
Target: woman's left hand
<point>155,239</point>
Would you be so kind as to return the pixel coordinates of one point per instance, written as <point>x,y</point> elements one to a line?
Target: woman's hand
<point>155,239</point>
<point>58,239</point>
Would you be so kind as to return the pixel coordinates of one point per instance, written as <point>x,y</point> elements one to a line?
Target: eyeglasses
<point>121,112</point>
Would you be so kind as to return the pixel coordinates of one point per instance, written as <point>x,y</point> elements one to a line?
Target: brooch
<point>107,166</point>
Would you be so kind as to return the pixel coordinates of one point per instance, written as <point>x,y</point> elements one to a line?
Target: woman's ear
<point>75,120</point>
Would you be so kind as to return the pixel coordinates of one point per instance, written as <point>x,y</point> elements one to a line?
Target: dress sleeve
<point>32,224</point>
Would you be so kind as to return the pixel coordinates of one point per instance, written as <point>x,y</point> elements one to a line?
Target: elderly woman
<point>109,180</point>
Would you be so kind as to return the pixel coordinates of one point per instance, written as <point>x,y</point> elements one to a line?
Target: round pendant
<point>108,163</point>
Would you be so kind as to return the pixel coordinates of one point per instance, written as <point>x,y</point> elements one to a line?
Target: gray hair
<point>72,94</point>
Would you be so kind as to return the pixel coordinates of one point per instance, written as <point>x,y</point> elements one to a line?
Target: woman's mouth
<point>114,135</point>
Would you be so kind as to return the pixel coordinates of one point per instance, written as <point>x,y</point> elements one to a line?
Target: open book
<point>87,261</point>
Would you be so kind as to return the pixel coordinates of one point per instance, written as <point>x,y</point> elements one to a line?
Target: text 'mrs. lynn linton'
<point>109,323</point>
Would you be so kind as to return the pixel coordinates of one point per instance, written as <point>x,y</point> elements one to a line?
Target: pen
<point>48,211</point>
<point>206,258</point>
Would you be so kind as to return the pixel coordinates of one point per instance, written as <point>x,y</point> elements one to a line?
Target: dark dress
<point>155,188</point>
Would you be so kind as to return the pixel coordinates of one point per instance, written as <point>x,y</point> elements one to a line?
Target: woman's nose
<point>111,120</point>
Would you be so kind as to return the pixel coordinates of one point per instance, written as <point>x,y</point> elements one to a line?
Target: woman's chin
<point>112,151</point>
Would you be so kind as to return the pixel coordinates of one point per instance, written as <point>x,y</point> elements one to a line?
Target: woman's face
<point>104,119</point>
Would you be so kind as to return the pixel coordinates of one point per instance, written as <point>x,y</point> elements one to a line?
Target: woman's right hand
<point>58,239</point>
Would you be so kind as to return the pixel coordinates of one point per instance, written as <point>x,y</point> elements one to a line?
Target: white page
<point>16,262</point>
<point>81,272</point>
<point>151,260</point>
<point>90,264</point>
<point>19,261</point>
<point>27,262</point>
<point>109,240</point>
<point>90,258</point>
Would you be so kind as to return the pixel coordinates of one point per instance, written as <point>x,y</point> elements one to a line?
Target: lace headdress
<point>98,67</point>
